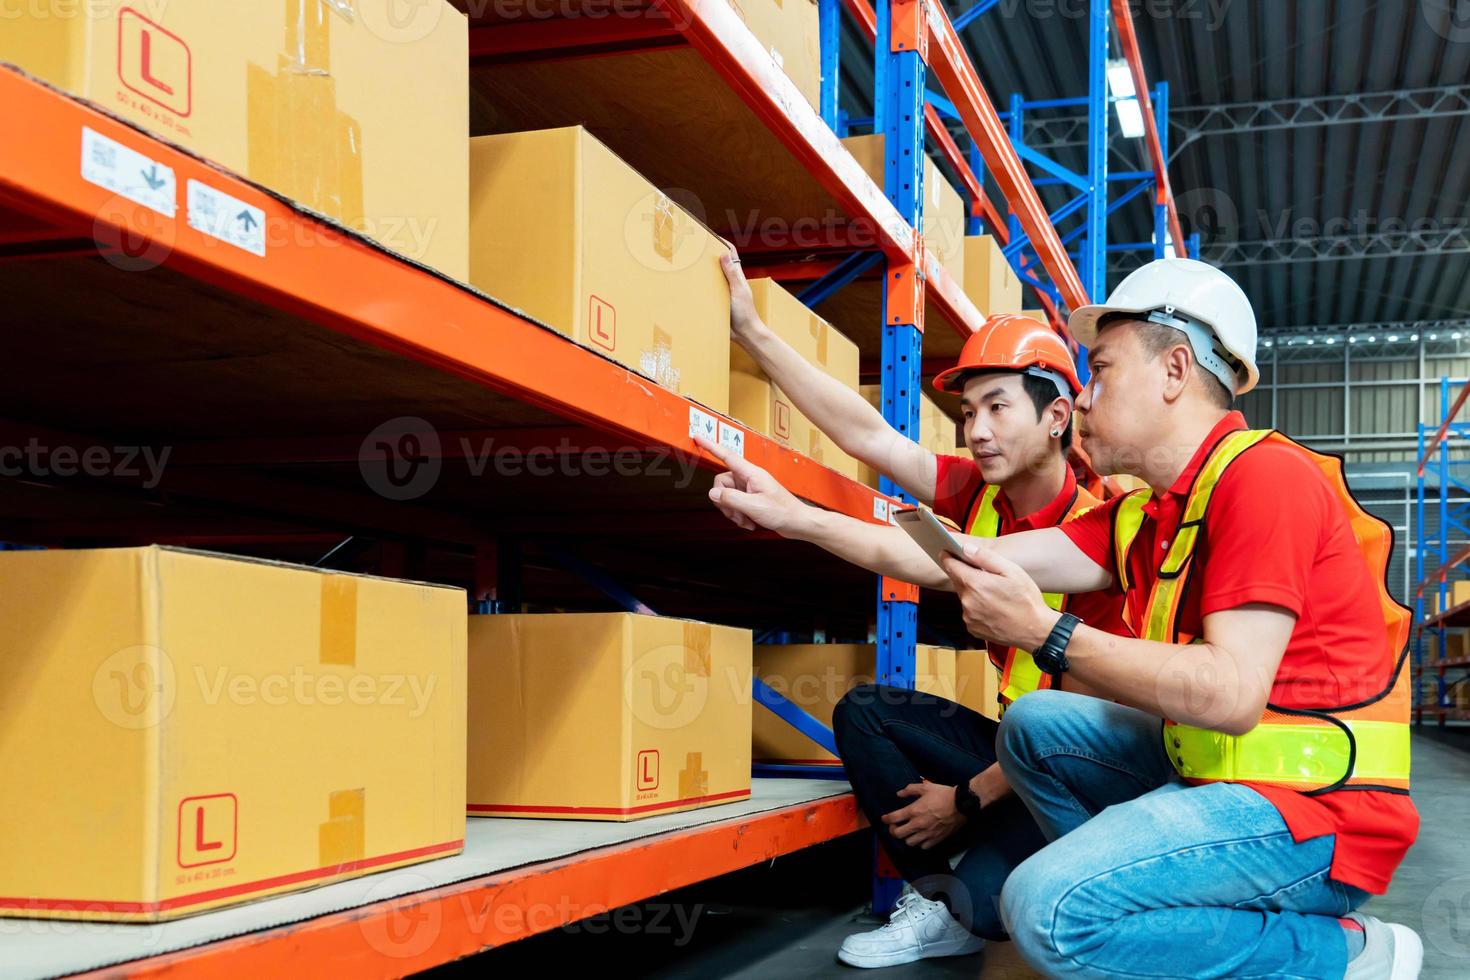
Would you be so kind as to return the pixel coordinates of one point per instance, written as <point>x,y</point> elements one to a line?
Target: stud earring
<point>1056,433</point>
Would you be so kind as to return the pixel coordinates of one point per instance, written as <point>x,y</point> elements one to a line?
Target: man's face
<point>1001,428</point>
<point>1114,410</point>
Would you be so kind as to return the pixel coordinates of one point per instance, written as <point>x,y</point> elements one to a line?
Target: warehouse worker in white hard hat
<point>1246,789</point>
<point>1238,838</point>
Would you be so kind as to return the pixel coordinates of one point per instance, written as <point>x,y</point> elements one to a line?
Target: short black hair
<point>1043,392</point>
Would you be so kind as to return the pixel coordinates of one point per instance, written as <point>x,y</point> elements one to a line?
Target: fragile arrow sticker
<point>128,173</point>
<point>227,218</point>
<point>732,439</point>
<point>703,424</point>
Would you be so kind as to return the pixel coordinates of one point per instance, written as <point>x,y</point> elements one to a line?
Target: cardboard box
<point>989,280</point>
<point>183,731</point>
<point>791,32</point>
<point>815,676</point>
<point>606,716</point>
<point>569,233</point>
<point>349,110</point>
<point>938,433</point>
<point>759,403</point>
<point>977,682</point>
<point>944,209</point>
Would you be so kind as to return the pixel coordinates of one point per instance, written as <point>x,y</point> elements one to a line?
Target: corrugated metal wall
<point>1370,412</point>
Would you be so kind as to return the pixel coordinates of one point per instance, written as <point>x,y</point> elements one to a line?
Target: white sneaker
<point>1390,951</point>
<point>918,929</point>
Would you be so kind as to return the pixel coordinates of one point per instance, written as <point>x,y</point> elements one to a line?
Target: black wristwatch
<point>965,800</point>
<point>1051,656</point>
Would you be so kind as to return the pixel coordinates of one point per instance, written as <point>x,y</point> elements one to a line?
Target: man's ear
<point>1178,362</point>
<point>1059,414</point>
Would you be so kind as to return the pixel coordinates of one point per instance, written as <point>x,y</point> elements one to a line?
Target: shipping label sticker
<point>128,173</point>
<point>703,424</point>
<point>732,439</point>
<point>227,218</point>
<point>880,509</point>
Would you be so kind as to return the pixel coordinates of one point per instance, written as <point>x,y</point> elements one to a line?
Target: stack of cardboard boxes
<point>168,749</point>
<point>351,110</point>
<point>759,403</point>
<point>606,716</point>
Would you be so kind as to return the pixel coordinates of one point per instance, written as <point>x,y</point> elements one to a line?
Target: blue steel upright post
<point>899,116</point>
<point>1093,247</point>
<point>1161,210</point>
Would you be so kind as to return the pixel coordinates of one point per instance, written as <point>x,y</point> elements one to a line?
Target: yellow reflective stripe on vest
<point>1162,611</point>
<point>987,518</point>
<point>1020,674</point>
<point>1310,755</point>
<point>1127,522</point>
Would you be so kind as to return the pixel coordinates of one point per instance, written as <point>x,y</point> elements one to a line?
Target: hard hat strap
<point>1055,377</point>
<point>1207,350</point>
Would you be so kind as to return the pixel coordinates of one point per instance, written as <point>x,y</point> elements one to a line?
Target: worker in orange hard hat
<point>924,768</point>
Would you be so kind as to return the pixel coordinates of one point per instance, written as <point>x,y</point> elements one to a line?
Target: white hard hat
<point>1196,298</point>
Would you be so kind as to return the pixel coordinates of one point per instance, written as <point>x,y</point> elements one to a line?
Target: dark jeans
<point>889,737</point>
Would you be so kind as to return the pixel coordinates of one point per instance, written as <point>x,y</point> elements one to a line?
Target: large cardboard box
<point>566,231</point>
<point>989,280</point>
<point>350,109</point>
<point>791,32</point>
<point>606,716</point>
<point>944,209</point>
<point>183,731</point>
<point>815,676</point>
<point>977,682</point>
<point>938,432</point>
<point>761,404</point>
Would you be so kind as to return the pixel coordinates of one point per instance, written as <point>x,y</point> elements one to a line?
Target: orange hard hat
<point>1010,342</point>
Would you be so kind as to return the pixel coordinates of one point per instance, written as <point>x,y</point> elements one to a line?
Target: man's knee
<point>1042,910</point>
<point>854,710</point>
<point>1025,724</point>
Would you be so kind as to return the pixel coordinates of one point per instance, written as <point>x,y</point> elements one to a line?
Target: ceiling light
<point>1125,98</point>
<point>1393,338</point>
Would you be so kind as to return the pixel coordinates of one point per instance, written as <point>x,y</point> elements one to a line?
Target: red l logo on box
<point>154,63</point>
<point>208,826</point>
<point>648,769</point>
<point>602,322</point>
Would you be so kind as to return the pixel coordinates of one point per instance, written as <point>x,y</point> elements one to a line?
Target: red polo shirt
<point>958,487</point>
<point>1275,532</point>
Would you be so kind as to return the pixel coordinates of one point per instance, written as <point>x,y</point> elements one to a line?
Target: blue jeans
<point>1147,876</point>
<point>889,737</point>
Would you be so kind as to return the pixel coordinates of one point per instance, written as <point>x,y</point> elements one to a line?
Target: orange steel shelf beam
<point>1128,40</point>
<point>339,282</point>
<point>417,931</point>
<point>951,66</point>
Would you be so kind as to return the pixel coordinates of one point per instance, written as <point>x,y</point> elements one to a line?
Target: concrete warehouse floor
<point>785,921</point>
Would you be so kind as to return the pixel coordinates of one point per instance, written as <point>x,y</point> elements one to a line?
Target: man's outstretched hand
<point>999,600</point>
<point>753,498</point>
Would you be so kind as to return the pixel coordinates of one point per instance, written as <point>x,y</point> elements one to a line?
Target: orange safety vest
<point>1018,671</point>
<point>1315,750</point>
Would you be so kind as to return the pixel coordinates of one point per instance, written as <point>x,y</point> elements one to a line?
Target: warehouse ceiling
<point>1320,148</point>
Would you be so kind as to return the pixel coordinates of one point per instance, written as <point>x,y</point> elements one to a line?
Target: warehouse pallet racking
<point>1443,447</point>
<point>326,327</point>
